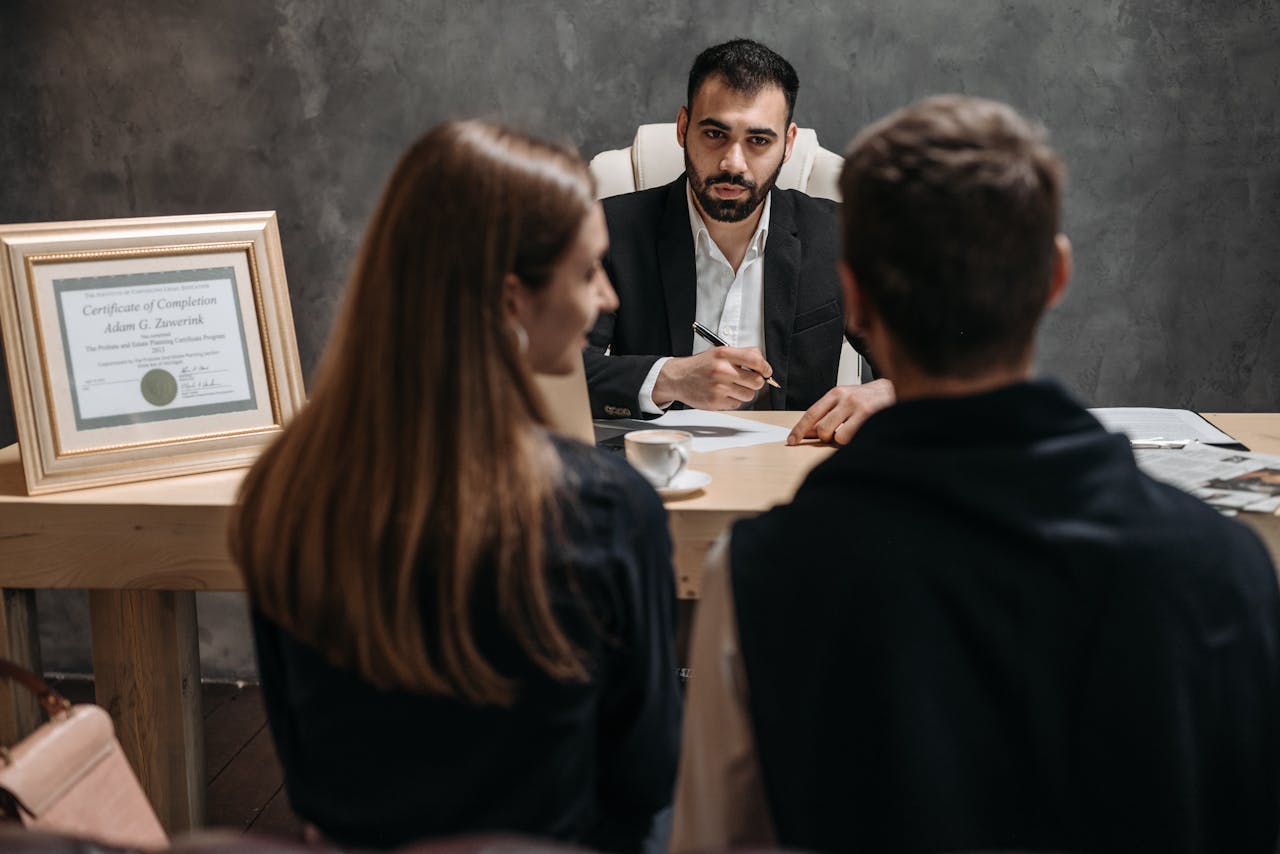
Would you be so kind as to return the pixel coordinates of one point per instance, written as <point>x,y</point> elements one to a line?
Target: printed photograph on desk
<point>1229,480</point>
<point>143,348</point>
<point>1263,481</point>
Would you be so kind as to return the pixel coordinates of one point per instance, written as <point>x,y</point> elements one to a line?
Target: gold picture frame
<point>147,347</point>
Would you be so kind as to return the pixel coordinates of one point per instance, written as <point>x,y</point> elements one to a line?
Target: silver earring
<point>522,337</point>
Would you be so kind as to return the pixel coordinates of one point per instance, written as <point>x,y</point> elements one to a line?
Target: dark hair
<point>746,66</point>
<point>951,208</point>
<point>419,464</point>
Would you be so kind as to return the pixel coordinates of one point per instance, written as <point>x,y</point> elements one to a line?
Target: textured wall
<point>1167,112</point>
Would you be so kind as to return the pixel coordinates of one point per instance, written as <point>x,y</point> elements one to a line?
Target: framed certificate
<point>141,348</point>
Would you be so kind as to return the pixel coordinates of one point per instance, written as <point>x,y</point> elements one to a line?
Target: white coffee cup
<point>660,455</point>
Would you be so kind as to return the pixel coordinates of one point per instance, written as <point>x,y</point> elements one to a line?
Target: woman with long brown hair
<point>463,622</point>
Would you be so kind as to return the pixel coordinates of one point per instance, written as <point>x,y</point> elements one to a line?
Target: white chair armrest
<point>824,177</point>
<point>850,371</point>
<point>656,156</point>
<point>612,171</point>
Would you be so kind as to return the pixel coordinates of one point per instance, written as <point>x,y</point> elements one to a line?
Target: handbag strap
<point>53,702</point>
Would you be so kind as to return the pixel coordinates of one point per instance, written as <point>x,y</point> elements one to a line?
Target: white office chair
<point>655,158</point>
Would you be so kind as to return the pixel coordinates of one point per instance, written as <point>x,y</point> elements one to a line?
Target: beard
<point>728,210</point>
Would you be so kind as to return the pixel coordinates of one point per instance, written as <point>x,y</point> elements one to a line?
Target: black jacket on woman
<point>588,763</point>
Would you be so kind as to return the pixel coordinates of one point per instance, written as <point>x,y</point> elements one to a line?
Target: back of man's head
<point>951,210</point>
<point>747,67</point>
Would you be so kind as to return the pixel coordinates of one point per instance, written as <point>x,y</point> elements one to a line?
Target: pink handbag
<point>70,776</point>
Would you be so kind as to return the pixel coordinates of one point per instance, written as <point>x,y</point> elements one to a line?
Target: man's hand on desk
<point>713,379</point>
<point>840,412</point>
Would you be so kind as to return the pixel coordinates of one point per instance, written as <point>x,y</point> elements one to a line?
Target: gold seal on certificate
<point>159,388</point>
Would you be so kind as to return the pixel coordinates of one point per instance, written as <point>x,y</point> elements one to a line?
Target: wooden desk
<point>747,481</point>
<point>143,549</point>
<point>744,482</point>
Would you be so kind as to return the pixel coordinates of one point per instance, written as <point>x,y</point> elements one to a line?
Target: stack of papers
<point>1146,425</point>
<point>1229,480</point>
<point>716,431</point>
<point>1177,446</point>
<point>712,431</point>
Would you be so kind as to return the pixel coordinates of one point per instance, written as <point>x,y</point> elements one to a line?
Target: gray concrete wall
<point>1167,112</point>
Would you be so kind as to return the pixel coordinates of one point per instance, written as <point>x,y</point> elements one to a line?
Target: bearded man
<point>721,245</point>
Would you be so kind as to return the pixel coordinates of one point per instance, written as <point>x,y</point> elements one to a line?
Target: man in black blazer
<point>722,246</point>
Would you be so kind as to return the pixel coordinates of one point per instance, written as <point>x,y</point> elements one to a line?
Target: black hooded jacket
<point>980,626</point>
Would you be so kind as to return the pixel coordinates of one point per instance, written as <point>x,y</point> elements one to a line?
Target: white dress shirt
<point>729,302</point>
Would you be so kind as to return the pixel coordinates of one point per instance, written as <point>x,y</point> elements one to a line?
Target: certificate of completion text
<point>154,346</point>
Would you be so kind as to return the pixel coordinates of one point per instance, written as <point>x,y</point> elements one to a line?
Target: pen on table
<point>716,341</point>
<point>1160,442</point>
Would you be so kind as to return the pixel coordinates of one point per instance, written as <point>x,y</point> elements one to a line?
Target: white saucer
<point>689,482</point>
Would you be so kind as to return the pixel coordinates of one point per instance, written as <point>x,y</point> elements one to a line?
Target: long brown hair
<point>418,460</point>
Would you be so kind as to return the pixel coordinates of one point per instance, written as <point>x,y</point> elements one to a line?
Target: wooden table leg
<point>20,643</point>
<point>146,670</point>
<point>684,630</point>
<point>694,535</point>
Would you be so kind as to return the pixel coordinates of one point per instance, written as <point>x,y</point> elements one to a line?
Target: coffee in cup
<point>660,455</point>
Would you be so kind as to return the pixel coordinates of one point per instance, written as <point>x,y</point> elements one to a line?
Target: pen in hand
<point>716,341</point>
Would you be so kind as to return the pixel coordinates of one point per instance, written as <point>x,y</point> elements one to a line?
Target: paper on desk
<point>1235,480</point>
<point>1145,423</point>
<point>715,431</point>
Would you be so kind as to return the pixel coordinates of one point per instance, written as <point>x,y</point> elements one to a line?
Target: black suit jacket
<point>651,265</point>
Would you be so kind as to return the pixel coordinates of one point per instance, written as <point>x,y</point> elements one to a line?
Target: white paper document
<point>1142,423</point>
<point>151,347</point>
<point>1229,480</point>
<point>715,431</point>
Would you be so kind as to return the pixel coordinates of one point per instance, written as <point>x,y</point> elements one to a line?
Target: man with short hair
<point>978,626</point>
<point>723,246</point>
